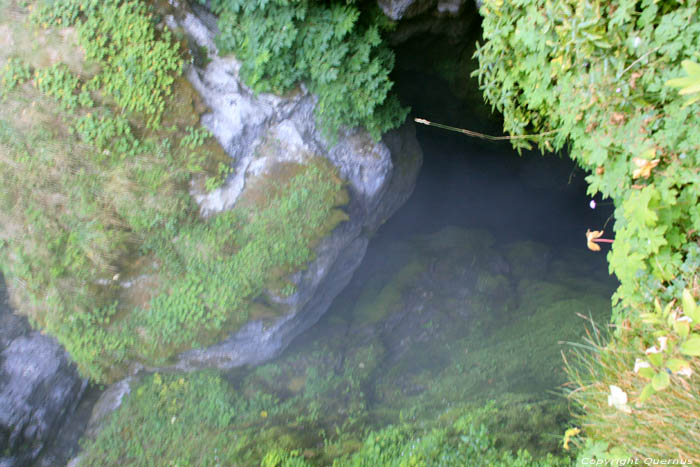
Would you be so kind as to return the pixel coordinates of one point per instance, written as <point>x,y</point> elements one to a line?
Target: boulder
<point>262,132</point>
<point>39,387</point>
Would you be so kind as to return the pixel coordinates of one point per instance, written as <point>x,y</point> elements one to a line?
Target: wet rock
<point>109,401</point>
<point>39,388</point>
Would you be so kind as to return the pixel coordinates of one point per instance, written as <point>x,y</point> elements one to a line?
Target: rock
<point>109,401</point>
<point>39,387</point>
<point>450,18</point>
<point>528,259</point>
<point>264,131</point>
<point>406,9</point>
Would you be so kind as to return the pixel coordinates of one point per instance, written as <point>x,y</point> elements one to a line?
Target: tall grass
<point>664,425</point>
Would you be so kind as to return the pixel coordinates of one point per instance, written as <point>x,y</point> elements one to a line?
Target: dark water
<point>465,294</point>
<point>472,183</point>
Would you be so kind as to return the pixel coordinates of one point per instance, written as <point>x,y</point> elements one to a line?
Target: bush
<point>593,77</point>
<point>335,50</point>
<point>14,72</point>
<point>600,79</point>
<point>138,62</point>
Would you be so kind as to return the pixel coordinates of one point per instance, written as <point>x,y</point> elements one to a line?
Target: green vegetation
<point>468,391</point>
<point>600,78</point>
<point>334,48</point>
<point>548,67</point>
<point>138,63</point>
<point>653,358</point>
<point>197,419</point>
<point>105,249</point>
<point>13,73</point>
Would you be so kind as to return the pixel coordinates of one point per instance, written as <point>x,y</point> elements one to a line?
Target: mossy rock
<point>527,259</point>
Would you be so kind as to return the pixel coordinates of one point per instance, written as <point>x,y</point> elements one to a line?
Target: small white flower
<point>592,204</point>
<point>662,346</point>
<point>618,399</point>
<point>636,41</point>
<point>686,371</point>
<point>684,318</point>
<point>639,363</point>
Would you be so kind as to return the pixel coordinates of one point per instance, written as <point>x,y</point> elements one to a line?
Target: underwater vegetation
<point>426,359</point>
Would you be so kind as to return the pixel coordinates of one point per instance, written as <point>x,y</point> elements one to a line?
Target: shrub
<point>58,82</point>
<point>593,77</point>
<point>333,48</point>
<point>600,79</point>
<point>138,62</point>
<point>14,72</point>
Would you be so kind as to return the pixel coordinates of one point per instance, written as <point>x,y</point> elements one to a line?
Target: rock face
<point>39,387</point>
<point>450,18</point>
<point>264,131</point>
<point>406,9</point>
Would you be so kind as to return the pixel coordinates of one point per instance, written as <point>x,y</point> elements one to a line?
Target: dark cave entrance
<point>467,292</point>
<point>474,183</point>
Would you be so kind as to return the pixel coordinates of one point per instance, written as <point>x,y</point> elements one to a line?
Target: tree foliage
<point>595,73</point>
<point>338,53</point>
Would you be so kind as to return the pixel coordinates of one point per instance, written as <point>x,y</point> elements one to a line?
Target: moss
<point>198,419</point>
<point>377,302</point>
<point>492,284</point>
<point>132,273</point>
<point>527,258</point>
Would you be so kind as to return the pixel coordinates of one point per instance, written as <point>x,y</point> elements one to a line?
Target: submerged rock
<point>39,388</point>
<point>262,133</point>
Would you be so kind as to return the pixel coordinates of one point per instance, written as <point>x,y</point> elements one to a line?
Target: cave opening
<point>469,291</point>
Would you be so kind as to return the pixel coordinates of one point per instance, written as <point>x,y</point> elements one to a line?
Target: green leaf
<point>647,392</point>
<point>656,359</point>
<point>676,364</point>
<point>682,328</point>
<point>689,307</point>
<point>647,372</point>
<point>661,381</point>
<point>691,346</point>
<point>690,67</point>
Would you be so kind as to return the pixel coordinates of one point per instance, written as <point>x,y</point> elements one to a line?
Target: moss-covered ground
<point>444,351</point>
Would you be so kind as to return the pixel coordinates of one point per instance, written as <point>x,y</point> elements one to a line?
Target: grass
<point>102,244</point>
<point>658,420</point>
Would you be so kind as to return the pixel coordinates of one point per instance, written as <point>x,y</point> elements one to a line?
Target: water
<point>466,295</point>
